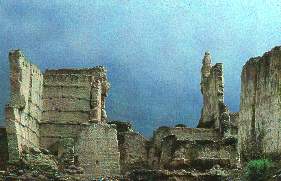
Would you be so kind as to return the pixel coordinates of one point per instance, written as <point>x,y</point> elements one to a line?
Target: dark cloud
<point>153,49</point>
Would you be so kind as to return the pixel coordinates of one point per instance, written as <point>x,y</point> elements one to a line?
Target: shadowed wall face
<point>259,117</point>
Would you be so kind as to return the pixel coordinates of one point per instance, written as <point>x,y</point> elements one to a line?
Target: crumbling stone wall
<point>24,111</point>
<point>198,154</point>
<point>234,120</point>
<point>97,151</point>
<point>133,151</point>
<point>159,152</point>
<point>75,96</point>
<point>72,97</point>
<point>212,88</point>
<point>60,112</point>
<point>199,151</point>
<point>184,133</point>
<point>259,117</point>
<point>4,156</point>
<point>133,147</point>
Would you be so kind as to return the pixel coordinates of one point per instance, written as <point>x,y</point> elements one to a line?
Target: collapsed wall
<point>186,148</point>
<point>260,108</point>
<point>212,88</point>
<point>179,153</point>
<point>24,111</point>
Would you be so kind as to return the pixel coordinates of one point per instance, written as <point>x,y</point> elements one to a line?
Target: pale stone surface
<point>97,150</point>
<point>61,110</point>
<point>259,117</point>
<point>75,95</point>
<point>24,111</point>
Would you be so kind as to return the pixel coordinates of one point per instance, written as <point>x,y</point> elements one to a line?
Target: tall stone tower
<point>207,65</point>
<point>205,70</point>
<point>212,89</point>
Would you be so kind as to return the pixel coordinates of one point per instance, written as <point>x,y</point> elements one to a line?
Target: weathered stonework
<point>260,108</point>
<point>133,150</point>
<point>62,111</point>
<point>187,147</point>
<point>75,96</point>
<point>202,153</point>
<point>212,88</point>
<point>59,117</point>
<point>97,151</point>
<point>24,111</point>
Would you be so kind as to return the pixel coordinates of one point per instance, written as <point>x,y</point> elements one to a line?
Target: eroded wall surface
<point>260,105</point>
<point>24,111</point>
<point>212,88</point>
<point>198,149</point>
<point>133,151</point>
<point>72,97</point>
<point>184,133</point>
<point>97,150</point>
<point>75,96</point>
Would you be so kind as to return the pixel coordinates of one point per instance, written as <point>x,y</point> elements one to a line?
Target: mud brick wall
<point>260,106</point>
<point>212,88</point>
<point>97,150</point>
<point>24,111</point>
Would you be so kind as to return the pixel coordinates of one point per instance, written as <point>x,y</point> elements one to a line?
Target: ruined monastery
<point>57,127</point>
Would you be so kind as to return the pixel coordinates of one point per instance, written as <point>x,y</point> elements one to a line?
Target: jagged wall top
<point>212,88</point>
<point>98,73</point>
<point>23,113</point>
<point>207,64</point>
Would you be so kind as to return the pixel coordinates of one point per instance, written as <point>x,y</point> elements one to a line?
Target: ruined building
<point>260,106</point>
<point>57,119</point>
<point>62,111</point>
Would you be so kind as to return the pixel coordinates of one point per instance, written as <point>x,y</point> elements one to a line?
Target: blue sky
<point>152,49</point>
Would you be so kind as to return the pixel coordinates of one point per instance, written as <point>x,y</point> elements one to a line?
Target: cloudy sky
<point>151,48</point>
